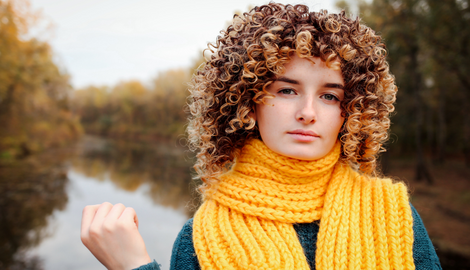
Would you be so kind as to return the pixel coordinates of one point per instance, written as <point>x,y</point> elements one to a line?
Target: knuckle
<point>106,204</point>
<point>120,224</point>
<point>86,209</point>
<point>108,227</point>
<point>119,205</point>
<point>94,233</point>
<point>123,225</point>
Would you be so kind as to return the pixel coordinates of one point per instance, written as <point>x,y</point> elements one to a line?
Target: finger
<point>129,214</point>
<point>115,212</point>
<point>87,217</point>
<point>100,215</point>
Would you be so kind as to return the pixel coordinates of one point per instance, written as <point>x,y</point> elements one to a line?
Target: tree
<point>34,109</point>
<point>447,36</point>
<point>399,23</point>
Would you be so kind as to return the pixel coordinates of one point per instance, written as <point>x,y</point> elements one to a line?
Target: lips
<point>303,136</point>
<point>303,132</point>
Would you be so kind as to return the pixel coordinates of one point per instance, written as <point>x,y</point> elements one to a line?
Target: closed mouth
<point>304,132</point>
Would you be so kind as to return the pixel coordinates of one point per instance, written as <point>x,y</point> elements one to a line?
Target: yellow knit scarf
<point>246,221</point>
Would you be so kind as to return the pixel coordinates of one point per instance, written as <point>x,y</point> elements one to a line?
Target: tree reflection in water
<point>30,191</point>
<point>164,167</point>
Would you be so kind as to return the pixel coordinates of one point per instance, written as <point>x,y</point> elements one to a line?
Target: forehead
<point>311,68</point>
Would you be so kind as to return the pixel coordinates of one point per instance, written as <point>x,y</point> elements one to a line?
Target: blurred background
<point>91,110</point>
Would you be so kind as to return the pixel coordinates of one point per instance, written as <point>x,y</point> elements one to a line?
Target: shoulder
<point>186,232</point>
<point>424,254</point>
<point>183,255</point>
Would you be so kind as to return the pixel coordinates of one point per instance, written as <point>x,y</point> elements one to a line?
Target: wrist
<point>138,262</point>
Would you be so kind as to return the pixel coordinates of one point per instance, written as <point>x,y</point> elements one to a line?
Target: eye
<point>330,97</point>
<point>287,91</point>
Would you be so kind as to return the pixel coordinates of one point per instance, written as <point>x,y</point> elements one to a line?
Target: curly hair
<point>254,49</point>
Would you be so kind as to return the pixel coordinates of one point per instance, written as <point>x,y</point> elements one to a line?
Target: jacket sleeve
<point>183,255</point>
<point>150,266</point>
<point>424,254</point>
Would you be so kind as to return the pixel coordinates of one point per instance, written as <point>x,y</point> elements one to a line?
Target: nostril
<point>306,119</point>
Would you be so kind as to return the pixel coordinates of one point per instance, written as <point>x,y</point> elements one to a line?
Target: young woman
<point>288,117</point>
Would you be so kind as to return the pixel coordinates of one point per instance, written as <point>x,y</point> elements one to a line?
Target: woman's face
<point>304,118</point>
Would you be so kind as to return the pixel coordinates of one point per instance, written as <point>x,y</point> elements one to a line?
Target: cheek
<point>336,122</point>
<point>270,117</point>
<point>263,117</point>
<point>339,125</point>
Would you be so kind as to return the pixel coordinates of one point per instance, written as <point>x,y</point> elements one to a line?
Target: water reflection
<point>165,167</point>
<point>34,235</point>
<point>30,191</point>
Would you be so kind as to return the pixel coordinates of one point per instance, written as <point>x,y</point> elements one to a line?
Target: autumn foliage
<point>131,109</point>
<point>34,108</point>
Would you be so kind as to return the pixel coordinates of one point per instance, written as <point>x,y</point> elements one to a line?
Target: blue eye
<point>287,91</point>
<point>330,97</point>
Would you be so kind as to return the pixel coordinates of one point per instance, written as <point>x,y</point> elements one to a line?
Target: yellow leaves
<point>18,17</point>
<point>129,90</point>
<point>94,95</point>
<point>132,109</point>
<point>172,81</point>
<point>33,91</point>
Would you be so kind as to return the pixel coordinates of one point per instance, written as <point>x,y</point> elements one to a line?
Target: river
<point>42,197</point>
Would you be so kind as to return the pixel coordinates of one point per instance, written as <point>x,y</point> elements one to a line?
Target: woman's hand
<point>111,234</point>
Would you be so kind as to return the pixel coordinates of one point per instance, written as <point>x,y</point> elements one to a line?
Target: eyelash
<point>333,97</point>
<point>283,91</point>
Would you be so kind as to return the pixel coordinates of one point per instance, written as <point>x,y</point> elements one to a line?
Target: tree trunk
<point>422,171</point>
<point>466,127</point>
<point>442,129</point>
<point>430,133</point>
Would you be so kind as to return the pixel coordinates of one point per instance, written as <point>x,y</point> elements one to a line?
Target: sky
<point>102,42</point>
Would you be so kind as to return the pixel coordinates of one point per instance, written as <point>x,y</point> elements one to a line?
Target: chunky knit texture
<point>184,257</point>
<point>246,221</point>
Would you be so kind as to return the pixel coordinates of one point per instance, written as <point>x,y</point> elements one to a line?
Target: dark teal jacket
<point>184,255</point>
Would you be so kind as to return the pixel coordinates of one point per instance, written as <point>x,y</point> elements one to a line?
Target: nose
<point>306,113</point>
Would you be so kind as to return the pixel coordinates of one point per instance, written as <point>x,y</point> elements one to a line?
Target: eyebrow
<point>334,85</point>
<point>287,80</point>
<point>327,85</point>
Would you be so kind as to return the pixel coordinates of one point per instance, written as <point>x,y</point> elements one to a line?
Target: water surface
<point>41,200</point>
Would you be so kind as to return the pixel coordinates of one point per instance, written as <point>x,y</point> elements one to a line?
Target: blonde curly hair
<point>254,49</point>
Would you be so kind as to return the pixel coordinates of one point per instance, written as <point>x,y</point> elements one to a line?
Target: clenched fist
<point>111,234</point>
